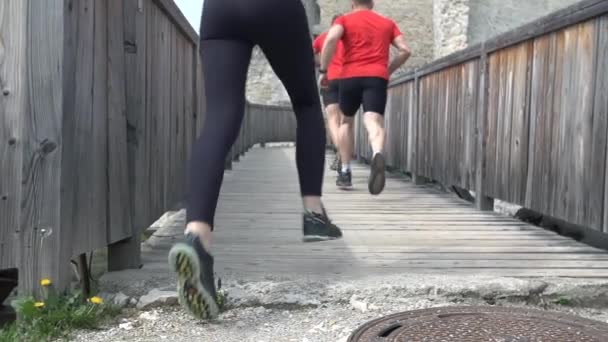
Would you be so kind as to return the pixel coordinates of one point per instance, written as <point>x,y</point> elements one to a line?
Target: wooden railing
<point>100,104</point>
<point>263,124</point>
<point>522,118</point>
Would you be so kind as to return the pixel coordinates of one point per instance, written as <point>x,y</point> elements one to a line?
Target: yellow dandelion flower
<point>45,282</point>
<point>96,300</point>
<point>39,304</point>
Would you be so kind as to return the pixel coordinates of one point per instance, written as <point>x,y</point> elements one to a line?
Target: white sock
<point>346,167</point>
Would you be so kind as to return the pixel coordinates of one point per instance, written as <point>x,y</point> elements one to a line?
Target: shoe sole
<point>191,292</point>
<point>318,238</point>
<point>377,177</point>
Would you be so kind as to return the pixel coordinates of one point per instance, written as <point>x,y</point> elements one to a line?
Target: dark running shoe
<point>335,165</point>
<point>345,180</point>
<point>318,227</point>
<point>377,176</point>
<point>195,282</point>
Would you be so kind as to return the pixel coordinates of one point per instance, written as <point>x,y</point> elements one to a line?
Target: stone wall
<point>262,84</point>
<point>450,24</point>
<point>414,17</point>
<point>433,28</point>
<point>488,18</point>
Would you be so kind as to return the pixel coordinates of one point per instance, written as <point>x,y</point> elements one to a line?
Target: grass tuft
<point>55,318</point>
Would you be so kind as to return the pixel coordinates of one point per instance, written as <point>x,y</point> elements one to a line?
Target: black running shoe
<point>318,227</point>
<point>335,164</point>
<point>345,180</point>
<point>195,282</point>
<point>377,177</point>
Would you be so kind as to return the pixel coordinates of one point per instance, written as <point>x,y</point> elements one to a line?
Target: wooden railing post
<point>481,200</point>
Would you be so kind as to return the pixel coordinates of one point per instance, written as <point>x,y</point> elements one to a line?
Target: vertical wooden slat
<point>567,111</point>
<point>84,178</point>
<point>589,138</point>
<point>541,115</point>
<point>172,116</point>
<point>45,243</point>
<point>13,105</point>
<point>443,131</point>
<point>601,100</point>
<point>123,240</point>
<point>489,66</point>
<point>189,112</point>
<point>556,127</point>
<point>485,132</point>
<point>152,85</point>
<point>413,127</point>
<point>135,61</point>
<point>518,144</point>
<point>456,153</point>
<point>506,117</point>
<point>473,94</point>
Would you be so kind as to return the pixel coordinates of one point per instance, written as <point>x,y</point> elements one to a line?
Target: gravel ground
<point>322,323</point>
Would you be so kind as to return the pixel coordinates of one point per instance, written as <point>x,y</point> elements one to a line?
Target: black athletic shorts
<point>371,92</point>
<point>331,94</point>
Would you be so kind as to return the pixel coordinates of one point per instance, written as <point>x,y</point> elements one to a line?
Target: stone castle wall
<point>433,29</point>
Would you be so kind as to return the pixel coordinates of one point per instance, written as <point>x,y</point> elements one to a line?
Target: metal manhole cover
<point>483,324</point>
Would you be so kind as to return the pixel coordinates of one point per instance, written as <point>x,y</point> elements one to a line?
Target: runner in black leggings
<point>229,31</point>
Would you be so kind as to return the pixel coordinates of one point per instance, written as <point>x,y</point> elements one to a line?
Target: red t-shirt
<point>335,67</point>
<point>367,39</point>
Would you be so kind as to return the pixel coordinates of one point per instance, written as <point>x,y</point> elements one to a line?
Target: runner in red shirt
<point>367,37</point>
<point>330,92</point>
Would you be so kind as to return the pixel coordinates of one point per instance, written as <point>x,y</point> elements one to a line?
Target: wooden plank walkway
<point>407,230</point>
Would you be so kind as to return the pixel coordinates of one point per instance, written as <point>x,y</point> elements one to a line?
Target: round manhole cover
<point>481,324</point>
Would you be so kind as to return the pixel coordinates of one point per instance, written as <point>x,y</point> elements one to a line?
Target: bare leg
<point>374,123</point>
<point>333,123</point>
<point>347,140</point>
<point>313,204</point>
<point>203,230</point>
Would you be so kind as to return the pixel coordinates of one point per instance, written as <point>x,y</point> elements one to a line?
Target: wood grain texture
<point>119,201</point>
<point>100,102</point>
<point>600,127</point>
<point>174,14</point>
<point>45,243</point>
<point>541,118</point>
<point>408,229</point>
<point>13,103</point>
<point>135,78</point>
<point>122,235</point>
<point>84,179</point>
<point>601,98</point>
<point>568,16</point>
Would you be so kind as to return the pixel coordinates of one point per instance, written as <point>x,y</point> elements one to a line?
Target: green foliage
<point>55,318</point>
<point>563,301</point>
<point>9,333</point>
<point>222,299</point>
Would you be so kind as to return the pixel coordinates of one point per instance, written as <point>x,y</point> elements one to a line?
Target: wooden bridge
<point>101,101</point>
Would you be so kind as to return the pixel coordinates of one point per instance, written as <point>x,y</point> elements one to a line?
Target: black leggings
<point>229,31</point>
